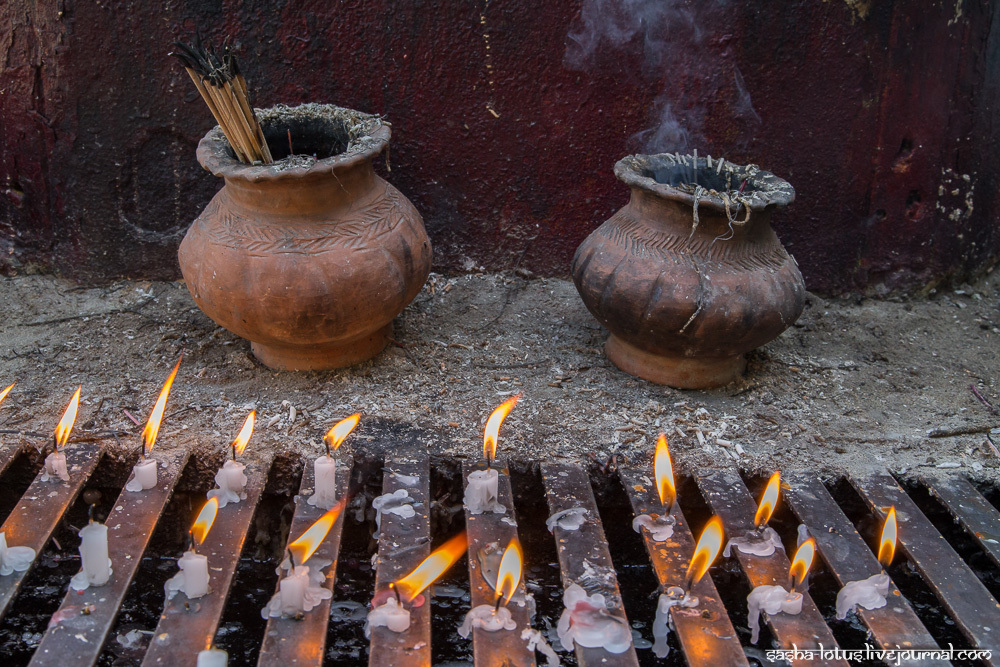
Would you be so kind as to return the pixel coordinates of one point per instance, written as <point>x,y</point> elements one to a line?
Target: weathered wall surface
<point>508,116</point>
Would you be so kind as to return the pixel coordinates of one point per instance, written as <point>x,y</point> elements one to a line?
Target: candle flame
<point>240,443</point>
<point>706,550</point>
<point>432,567</point>
<point>66,423</point>
<point>203,524</point>
<point>663,470</point>
<point>152,428</point>
<point>887,544</point>
<point>509,574</point>
<point>768,501</point>
<point>802,562</point>
<point>304,547</point>
<point>3,394</point>
<point>493,426</point>
<point>341,430</point>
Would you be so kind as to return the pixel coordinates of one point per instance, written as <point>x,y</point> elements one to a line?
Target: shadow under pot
<point>689,276</point>
<point>310,257</point>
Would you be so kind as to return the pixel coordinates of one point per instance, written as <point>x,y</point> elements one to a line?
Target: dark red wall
<point>883,115</point>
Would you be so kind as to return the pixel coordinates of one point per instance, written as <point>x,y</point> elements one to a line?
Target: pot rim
<point>768,190</point>
<point>368,136</point>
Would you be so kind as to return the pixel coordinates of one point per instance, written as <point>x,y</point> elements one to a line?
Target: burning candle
<point>144,472</point>
<point>55,463</point>
<point>14,559</point>
<point>302,588</point>
<point>3,394</point>
<point>762,540</point>
<point>325,467</point>
<point>871,593</point>
<point>660,527</point>
<point>193,578</point>
<point>391,613</point>
<point>777,600</point>
<point>213,657</point>
<point>95,566</point>
<point>493,617</point>
<point>230,479</point>
<point>482,490</point>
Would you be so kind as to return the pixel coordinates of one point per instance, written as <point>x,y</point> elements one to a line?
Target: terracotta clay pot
<point>683,301</point>
<point>310,258</point>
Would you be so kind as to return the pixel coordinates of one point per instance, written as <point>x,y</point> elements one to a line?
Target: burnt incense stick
<point>221,84</point>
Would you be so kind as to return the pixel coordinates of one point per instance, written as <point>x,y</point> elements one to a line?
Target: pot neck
<point>311,196</point>
<point>676,217</point>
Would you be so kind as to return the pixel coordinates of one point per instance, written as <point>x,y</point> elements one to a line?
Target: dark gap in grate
<point>541,573</point>
<point>637,581</point>
<point>989,491</point>
<point>850,633</point>
<point>241,628</point>
<point>451,599</point>
<point>956,536</point>
<point>346,645</point>
<point>17,478</point>
<point>730,582</point>
<point>906,578</point>
<point>43,589</point>
<point>143,603</point>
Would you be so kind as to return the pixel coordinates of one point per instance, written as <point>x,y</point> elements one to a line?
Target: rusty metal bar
<point>89,615</point>
<point>729,497</point>
<point>503,648</point>
<point>968,602</point>
<point>402,544</point>
<point>977,515</point>
<point>303,641</point>
<point>40,509</point>
<point>7,456</point>
<point>849,559</point>
<point>188,626</point>
<point>706,634</point>
<point>566,487</point>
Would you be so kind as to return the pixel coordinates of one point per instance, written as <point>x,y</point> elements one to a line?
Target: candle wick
<point>395,590</point>
<point>327,443</point>
<point>191,542</point>
<point>234,450</point>
<point>496,607</point>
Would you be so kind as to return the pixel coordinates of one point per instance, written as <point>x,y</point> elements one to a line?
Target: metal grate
<point>937,548</point>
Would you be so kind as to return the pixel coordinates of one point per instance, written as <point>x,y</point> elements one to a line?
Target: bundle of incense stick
<point>224,90</point>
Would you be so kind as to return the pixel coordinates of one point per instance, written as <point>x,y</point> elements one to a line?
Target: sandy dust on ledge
<point>852,387</point>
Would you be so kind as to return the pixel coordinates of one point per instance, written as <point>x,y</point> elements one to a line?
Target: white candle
<point>231,480</point>
<point>388,615</point>
<point>482,491</point>
<point>299,591</point>
<point>870,593</point>
<point>773,600</point>
<point>487,617</point>
<point>14,559</point>
<point>761,542</point>
<point>192,580</point>
<point>95,564</point>
<point>660,528</point>
<point>293,589</point>
<point>143,476</point>
<point>213,657</point>
<point>55,467</point>
<point>586,621</point>
<point>325,472</point>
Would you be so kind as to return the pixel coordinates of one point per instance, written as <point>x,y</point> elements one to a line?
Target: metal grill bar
<point>849,559</point>
<point>303,641</point>
<point>188,626</point>
<point>8,455</point>
<point>78,638</point>
<point>728,497</point>
<point>976,514</point>
<point>972,607</point>
<point>568,486</point>
<point>40,509</point>
<point>706,634</point>
<point>505,647</point>
<point>402,544</point>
